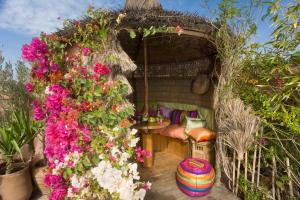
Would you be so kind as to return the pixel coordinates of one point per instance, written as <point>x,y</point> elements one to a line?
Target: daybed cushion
<point>178,116</point>
<point>192,123</point>
<point>202,134</point>
<point>165,112</point>
<point>174,131</point>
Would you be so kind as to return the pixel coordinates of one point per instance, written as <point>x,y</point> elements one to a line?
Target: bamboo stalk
<point>258,165</point>
<point>246,169</point>
<point>233,172</point>
<point>254,162</point>
<point>273,178</point>
<point>246,165</point>
<point>291,192</point>
<point>237,177</point>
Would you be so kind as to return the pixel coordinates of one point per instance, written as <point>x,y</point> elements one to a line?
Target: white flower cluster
<point>119,181</point>
<point>78,183</point>
<point>70,160</point>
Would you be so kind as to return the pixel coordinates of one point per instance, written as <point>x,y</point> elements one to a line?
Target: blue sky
<point>21,20</point>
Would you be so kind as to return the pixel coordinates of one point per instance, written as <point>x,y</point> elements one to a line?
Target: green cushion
<point>192,123</point>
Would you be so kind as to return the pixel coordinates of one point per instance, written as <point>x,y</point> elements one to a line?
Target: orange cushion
<point>202,134</point>
<point>174,131</point>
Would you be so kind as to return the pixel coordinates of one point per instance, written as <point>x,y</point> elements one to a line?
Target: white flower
<point>139,195</point>
<point>66,158</point>
<point>77,182</point>
<point>133,142</point>
<point>133,131</point>
<point>47,91</point>
<point>124,158</point>
<point>70,193</point>
<point>107,176</point>
<point>125,189</point>
<point>115,151</point>
<point>76,157</point>
<point>133,170</point>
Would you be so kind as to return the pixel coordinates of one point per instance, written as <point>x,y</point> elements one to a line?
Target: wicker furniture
<point>203,150</point>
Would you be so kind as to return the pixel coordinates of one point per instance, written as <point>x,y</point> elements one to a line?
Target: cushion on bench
<point>202,134</point>
<point>174,131</point>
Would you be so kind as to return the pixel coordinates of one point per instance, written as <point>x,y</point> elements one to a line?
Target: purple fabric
<point>165,112</point>
<point>176,117</point>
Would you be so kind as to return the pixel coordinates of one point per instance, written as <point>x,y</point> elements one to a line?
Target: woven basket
<point>203,150</point>
<point>201,84</point>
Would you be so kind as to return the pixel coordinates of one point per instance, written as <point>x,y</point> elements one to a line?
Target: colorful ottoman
<point>195,177</point>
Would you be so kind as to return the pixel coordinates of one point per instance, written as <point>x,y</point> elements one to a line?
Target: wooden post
<point>273,177</point>
<point>146,106</point>
<point>246,170</point>
<point>147,139</point>
<point>238,177</point>
<point>290,178</point>
<point>254,162</point>
<point>258,165</point>
<point>233,172</point>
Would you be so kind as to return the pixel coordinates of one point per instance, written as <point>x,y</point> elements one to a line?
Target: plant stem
<point>290,178</point>
<point>237,177</point>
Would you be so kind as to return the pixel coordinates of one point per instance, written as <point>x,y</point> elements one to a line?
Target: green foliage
<point>285,16</point>
<point>15,132</point>
<point>12,91</point>
<point>151,31</point>
<point>264,76</point>
<point>251,192</point>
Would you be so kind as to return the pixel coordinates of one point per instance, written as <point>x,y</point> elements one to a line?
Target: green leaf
<point>132,34</point>
<point>16,146</point>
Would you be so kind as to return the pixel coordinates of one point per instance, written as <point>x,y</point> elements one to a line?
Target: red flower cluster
<point>100,69</point>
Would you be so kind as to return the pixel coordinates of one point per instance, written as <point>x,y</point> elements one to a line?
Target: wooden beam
<point>146,106</point>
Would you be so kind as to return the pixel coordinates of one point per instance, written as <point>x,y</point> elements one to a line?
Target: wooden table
<point>147,130</point>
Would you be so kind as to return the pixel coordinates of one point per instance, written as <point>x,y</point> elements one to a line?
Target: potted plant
<point>15,179</point>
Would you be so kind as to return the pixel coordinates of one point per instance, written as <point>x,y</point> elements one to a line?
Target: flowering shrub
<point>90,149</point>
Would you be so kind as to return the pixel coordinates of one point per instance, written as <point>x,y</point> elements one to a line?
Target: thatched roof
<point>196,41</point>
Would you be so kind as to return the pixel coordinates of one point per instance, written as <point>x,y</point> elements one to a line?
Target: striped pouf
<point>195,177</point>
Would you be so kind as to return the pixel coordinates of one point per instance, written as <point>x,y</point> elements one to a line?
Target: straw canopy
<point>196,42</point>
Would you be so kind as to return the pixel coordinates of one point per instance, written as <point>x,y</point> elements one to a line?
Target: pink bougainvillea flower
<point>147,186</point>
<point>35,50</point>
<point>58,184</point>
<point>141,154</point>
<point>38,113</point>
<point>109,144</point>
<point>58,194</point>
<point>100,69</point>
<point>86,51</point>
<point>29,87</point>
<point>36,103</point>
<point>54,67</point>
